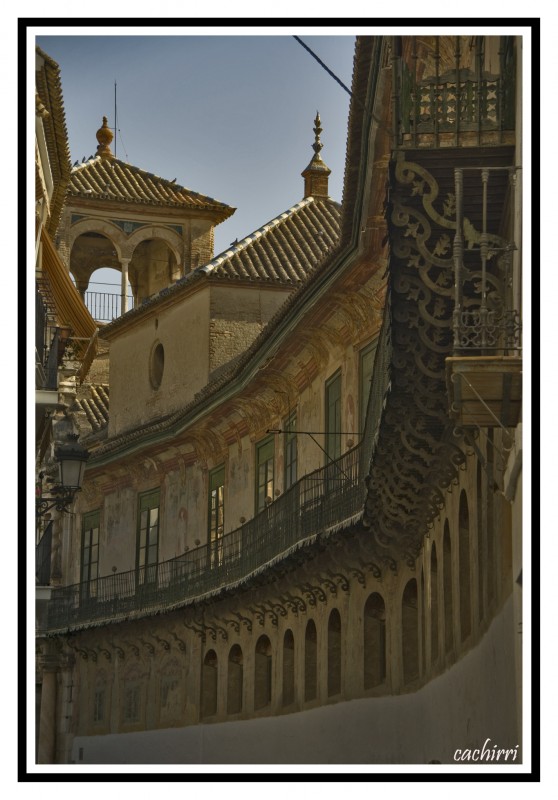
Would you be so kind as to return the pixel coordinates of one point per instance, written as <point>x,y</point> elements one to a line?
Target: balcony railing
<point>454,101</point>
<point>315,504</point>
<point>485,321</point>
<point>106,306</point>
<point>42,557</point>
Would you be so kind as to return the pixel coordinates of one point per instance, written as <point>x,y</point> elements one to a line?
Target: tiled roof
<point>93,403</point>
<point>112,179</point>
<point>286,250</point>
<point>50,106</point>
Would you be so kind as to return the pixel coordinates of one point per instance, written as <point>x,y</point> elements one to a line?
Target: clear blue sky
<point>229,116</point>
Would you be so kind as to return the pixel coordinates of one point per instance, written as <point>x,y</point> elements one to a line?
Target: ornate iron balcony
<point>315,504</point>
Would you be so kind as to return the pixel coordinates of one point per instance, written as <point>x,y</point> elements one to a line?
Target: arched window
<point>448,596</point>
<point>464,568</point>
<point>334,653</point>
<point>262,673</point>
<point>209,684</point>
<point>409,630</point>
<point>310,662</point>
<point>234,680</point>
<point>422,623</point>
<point>288,668</point>
<point>433,605</point>
<point>480,542</point>
<point>374,641</point>
<point>490,532</point>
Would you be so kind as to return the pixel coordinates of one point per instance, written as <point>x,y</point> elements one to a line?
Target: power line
<point>321,63</point>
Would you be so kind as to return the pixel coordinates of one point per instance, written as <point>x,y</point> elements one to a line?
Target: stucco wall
<point>183,332</point>
<point>468,704</point>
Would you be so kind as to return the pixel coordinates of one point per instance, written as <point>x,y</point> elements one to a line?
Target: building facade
<point>302,506</point>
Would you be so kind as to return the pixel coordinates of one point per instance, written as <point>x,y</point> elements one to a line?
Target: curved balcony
<point>314,505</point>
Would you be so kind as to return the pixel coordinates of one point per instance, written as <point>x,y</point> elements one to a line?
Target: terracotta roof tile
<point>112,179</point>
<point>286,249</point>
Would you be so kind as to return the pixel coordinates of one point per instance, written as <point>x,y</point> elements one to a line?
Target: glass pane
<point>143,519</point>
<point>154,516</point>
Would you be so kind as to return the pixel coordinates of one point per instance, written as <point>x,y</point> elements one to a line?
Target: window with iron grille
<point>216,513</point>
<point>148,537</point>
<point>265,456</point>
<point>289,427</point>
<point>333,416</point>
<point>90,553</point>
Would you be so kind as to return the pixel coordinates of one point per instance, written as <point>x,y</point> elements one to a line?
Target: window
<point>288,668</point>
<point>333,417</point>
<point>148,537</point>
<point>289,427</point>
<point>366,364</point>
<point>310,662</point>
<point>374,623</point>
<point>216,514</point>
<point>156,365</point>
<point>234,681</point>
<point>262,673</point>
<point>209,685</point>
<point>90,554</point>
<point>334,653</point>
<point>265,454</point>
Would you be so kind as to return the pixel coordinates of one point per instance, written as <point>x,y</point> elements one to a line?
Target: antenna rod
<point>115,119</point>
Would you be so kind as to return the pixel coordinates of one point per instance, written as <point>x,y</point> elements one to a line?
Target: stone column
<point>124,290</point>
<point>46,749</point>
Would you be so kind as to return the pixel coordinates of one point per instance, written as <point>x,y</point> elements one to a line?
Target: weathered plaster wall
<point>183,332</point>
<point>468,704</point>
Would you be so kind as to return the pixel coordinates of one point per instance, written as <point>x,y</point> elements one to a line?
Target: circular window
<point>157,365</point>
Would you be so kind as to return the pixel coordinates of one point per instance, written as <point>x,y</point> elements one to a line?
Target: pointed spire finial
<point>317,146</point>
<point>316,173</point>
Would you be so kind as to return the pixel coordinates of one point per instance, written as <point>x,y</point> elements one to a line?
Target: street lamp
<point>72,458</point>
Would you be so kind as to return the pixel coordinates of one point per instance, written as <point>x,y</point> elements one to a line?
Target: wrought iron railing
<point>455,98</point>
<point>315,504</point>
<point>105,306</point>
<point>484,318</point>
<point>43,552</point>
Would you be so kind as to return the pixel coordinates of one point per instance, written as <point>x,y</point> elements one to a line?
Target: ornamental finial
<point>104,137</point>
<point>317,130</point>
<point>316,173</point>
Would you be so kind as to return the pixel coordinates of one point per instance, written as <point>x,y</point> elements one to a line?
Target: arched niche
<point>448,590</point>
<point>409,631</point>
<point>374,630</point>
<point>209,685</point>
<point>334,653</point>
<point>235,680</point>
<point>464,568</point>
<point>310,661</point>
<point>288,668</point>
<point>262,673</point>
<point>434,641</point>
